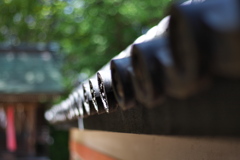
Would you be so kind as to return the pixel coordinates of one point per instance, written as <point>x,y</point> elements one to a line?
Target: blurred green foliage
<point>59,149</point>
<point>90,32</point>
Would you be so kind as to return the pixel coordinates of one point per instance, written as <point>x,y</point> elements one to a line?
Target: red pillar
<point>10,131</point>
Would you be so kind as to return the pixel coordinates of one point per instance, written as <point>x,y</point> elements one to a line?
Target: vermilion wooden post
<point>10,131</point>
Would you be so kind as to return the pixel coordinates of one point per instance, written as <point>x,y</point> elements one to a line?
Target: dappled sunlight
<point>48,47</point>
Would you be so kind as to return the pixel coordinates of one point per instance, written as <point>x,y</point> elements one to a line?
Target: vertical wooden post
<point>10,131</point>
<point>31,115</point>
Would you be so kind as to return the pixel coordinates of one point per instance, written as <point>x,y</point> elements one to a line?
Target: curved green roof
<point>29,72</point>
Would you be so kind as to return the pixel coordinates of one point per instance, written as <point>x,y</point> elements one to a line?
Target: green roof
<point>29,72</point>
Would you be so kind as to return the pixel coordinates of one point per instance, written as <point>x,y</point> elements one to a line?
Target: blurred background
<point>47,47</point>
